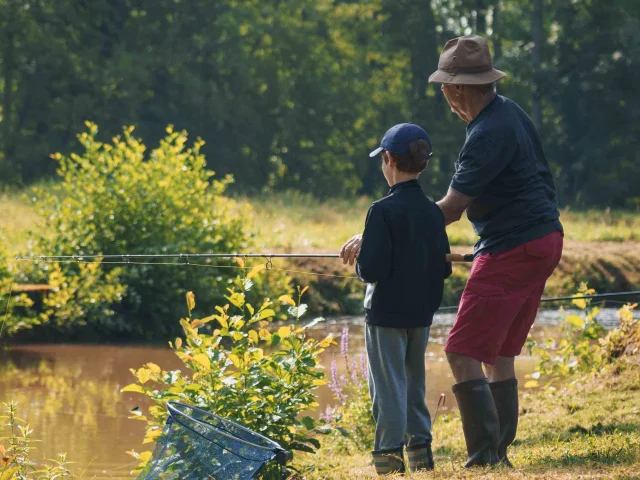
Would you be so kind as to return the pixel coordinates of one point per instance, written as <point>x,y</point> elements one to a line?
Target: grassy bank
<point>601,247</point>
<point>588,429</point>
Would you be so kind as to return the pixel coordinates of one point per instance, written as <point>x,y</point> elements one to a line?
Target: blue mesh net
<point>197,445</point>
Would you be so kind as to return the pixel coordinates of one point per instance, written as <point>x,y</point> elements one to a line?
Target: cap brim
<point>376,152</point>
<point>467,78</point>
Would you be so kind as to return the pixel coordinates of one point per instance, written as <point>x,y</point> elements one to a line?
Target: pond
<point>70,394</point>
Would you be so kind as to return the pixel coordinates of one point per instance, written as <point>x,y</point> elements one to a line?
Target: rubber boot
<point>420,457</point>
<point>479,421</point>
<point>388,462</point>
<point>505,396</point>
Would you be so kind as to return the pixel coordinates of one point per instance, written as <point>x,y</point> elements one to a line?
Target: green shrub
<point>16,453</point>
<point>16,311</point>
<point>240,367</point>
<point>117,198</point>
<point>585,345</point>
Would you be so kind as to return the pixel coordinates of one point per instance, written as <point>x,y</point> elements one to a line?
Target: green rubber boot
<point>420,457</point>
<point>388,462</point>
<point>480,422</point>
<point>505,396</point>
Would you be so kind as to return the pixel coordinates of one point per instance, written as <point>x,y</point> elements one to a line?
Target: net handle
<point>176,412</point>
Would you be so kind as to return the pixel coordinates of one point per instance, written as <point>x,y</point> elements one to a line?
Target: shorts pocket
<point>485,289</point>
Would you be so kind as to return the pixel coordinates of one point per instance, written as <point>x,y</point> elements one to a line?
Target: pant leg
<point>418,416</point>
<point>386,352</point>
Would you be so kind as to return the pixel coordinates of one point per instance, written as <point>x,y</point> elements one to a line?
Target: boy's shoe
<point>505,396</point>
<point>388,461</point>
<point>480,422</point>
<point>420,457</point>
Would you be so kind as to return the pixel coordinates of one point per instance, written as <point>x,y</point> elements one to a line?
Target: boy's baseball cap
<point>398,138</point>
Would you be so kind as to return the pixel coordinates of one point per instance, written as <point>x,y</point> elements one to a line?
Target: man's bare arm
<point>453,206</point>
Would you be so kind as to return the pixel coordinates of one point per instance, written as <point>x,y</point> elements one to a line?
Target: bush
<point>242,369</point>
<point>17,462</point>
<point>15,308</point>
<point>117,199</point>
<point>585,345</point>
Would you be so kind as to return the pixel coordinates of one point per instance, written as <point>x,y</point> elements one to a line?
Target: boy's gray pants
<point>397,385</point>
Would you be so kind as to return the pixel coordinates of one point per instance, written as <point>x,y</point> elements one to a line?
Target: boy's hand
<point>350,249</point>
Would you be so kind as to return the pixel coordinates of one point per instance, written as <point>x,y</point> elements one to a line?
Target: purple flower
<point>327,416</point>
<point>344,342</point>
<point>364,368</point>
<point>335,384</point>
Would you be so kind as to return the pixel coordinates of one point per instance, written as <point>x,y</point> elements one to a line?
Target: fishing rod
<point>451,257</point>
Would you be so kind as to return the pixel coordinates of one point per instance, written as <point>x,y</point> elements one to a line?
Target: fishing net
<point>198,445</point>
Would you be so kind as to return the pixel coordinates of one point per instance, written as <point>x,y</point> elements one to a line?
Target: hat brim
<point>482,78</point>
<point>376,152</point>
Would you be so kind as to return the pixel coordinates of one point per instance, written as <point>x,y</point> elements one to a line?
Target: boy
<point>403,260</point>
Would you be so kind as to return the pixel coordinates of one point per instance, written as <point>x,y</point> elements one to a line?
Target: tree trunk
<point>537,62</point>
<point>481,17</point>
<point>495,36</point>
<point>6,170</point>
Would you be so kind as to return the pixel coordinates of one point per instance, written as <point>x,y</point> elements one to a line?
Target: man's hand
<point>350,249</point>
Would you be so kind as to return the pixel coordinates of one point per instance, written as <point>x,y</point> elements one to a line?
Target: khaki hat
<point>466,61</point>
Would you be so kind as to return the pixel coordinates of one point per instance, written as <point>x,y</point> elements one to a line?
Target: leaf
<point>308,422</point>
<point>256,270</point>
<point>134,387</point>
<point>318,383</point>
<point>531,384</point>
<point>250,308</point>
<point>253,336</point>
<point>178,342</point>
<point>191,301</point>
<point>287,300</point>
<point>304,290</point>
<point>236,299</point>
<point>3,452</point>
<point>266,313</point>
<point>575,320</point>
<point>298,311</point>
<point>284,332</point>
<point>154,368</point>
<point>302,447</point>
<point>239,261</point>
<point>202,360</point>
<point>143,375</point>
<point>144,456</point>
<point>237,336</point>
<point>580,302</point>
<point>326,342</point>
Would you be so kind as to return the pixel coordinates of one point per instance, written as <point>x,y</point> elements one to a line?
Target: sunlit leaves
<point>262,376</point>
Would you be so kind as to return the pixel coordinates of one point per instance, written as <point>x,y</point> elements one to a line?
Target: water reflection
<point>71,394</point>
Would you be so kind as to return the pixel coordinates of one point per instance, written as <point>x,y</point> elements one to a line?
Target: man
<point>504,182</point>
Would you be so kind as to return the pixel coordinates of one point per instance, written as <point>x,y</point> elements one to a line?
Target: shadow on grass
<point>570,434</point>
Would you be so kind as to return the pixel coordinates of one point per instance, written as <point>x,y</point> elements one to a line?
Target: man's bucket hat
<point>466,61</point>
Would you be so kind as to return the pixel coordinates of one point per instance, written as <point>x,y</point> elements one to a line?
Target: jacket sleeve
<point>448,269</point>
<point>374,260</point>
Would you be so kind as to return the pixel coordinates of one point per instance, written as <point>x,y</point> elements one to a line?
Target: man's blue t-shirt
<point>502,166</point>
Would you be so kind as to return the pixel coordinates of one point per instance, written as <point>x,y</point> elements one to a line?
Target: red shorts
<point>501,299</point>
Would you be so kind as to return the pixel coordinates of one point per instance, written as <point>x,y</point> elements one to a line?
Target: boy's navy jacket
<point>403,258</point>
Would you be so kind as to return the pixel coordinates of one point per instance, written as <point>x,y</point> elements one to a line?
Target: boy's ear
<point>390,160</point>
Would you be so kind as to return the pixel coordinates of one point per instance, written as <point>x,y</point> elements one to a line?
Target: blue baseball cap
<point>398,138</point>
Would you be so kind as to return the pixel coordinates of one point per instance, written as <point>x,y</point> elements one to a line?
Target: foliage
<point>585,345</point>
<point>17,456</point>
<point>351,417</point>
<point>294,93</point>
<point>242,367</point>
<point>119,198</point>
<point>15,308</point>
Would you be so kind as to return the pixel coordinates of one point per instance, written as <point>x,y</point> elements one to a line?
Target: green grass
<point>587,429</point>
<point>297,221</point>
<point>290,220</point>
